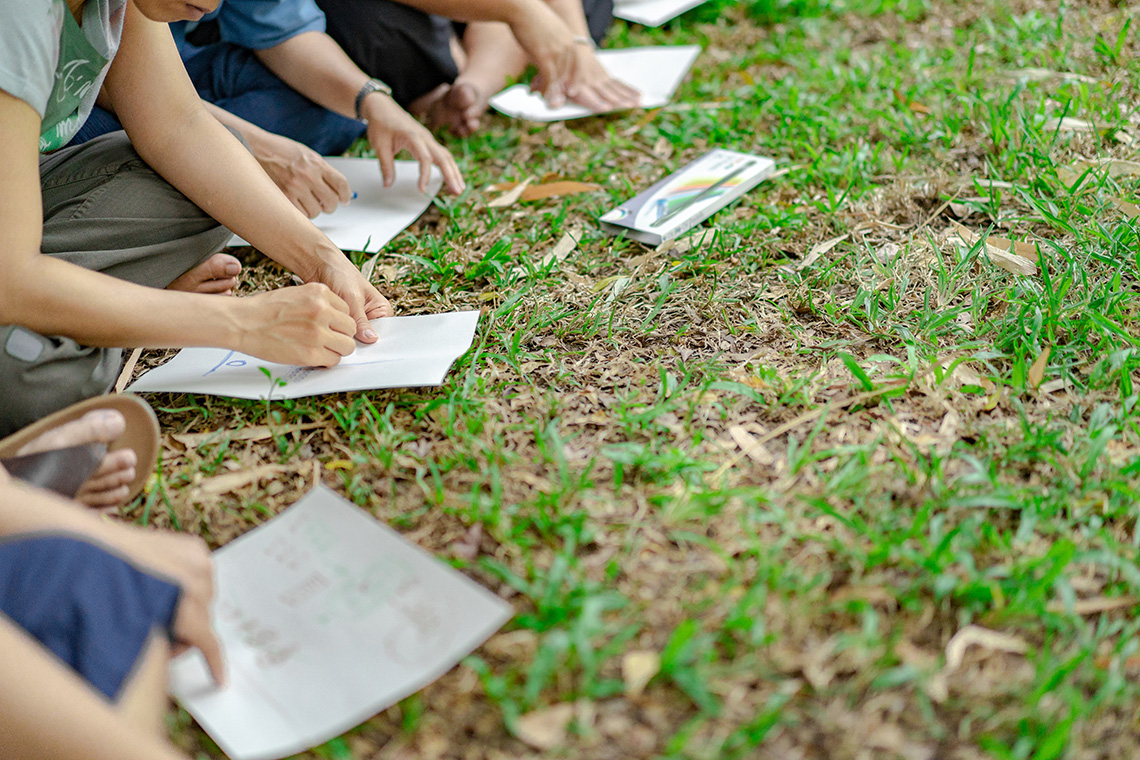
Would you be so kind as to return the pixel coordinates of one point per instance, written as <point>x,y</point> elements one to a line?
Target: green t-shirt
<point>56,65</point>
<point>80,66</point>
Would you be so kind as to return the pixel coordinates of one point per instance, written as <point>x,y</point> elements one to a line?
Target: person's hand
<point>362,298</point>
<point>568,68</point>
<point>392,129</point>
<point>307,325</point>
<point>550,45</point>
<point>591,86</point>
<point>185,560</point>
<point>308,181</point>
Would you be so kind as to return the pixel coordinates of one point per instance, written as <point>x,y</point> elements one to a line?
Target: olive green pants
<point>105,210</point>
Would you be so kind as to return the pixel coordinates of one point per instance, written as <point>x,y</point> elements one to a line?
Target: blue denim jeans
<point>233,79</point>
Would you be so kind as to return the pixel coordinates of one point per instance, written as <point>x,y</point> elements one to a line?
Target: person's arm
<point>48,713</point>
<point>182,558</point>
<point>315,66</point>
<point>54,297</point>
<point>179,139</point>
<point>307,179</point>
<point>555,36</point>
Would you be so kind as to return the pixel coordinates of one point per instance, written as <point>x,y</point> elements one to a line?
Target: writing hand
<point>308,325</point>
<point>362,298</point>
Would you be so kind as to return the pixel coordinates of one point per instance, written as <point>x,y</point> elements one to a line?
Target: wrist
<point>369,92</point>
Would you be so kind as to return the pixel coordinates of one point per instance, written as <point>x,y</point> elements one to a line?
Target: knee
<point>41,375</point>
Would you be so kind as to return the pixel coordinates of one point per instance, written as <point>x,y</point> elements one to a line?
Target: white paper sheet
<point>653,12</point>
<point>326,617</point>
<point>412,352</point>
<point>656,72</point>
<point>378,213</point>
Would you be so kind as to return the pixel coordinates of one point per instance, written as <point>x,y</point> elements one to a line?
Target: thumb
<point>364,331</point>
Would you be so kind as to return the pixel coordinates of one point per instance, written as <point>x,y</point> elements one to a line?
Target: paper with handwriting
<point>412,352</point>
<point>377,214</point>
<point>656,72</point>
<point>326,618</point>
<point>653,12</point>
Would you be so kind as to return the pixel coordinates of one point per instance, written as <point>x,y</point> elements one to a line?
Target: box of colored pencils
<point>688,196</point>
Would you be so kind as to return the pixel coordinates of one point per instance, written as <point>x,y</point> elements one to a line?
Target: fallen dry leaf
<point>251,433</point>
<point>638,669</point>
<point>220,484</point>
<point>467,547</point>
<point>818,250</point>
<point>1067,124</point>
<point>1008,258</point>
<point>512,196</point>
<point>751,447</point>
<point>1097,605</point>
<point>535,191</point>
<point>976,635</point>
<point>545,729</point>
<point>1037,370</point>
<point>1033,74</point>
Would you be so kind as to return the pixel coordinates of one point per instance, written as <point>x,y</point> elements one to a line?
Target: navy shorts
<point>92,609</point>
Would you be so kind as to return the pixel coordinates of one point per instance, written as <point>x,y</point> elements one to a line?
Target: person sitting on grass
<point>113,243</point>
<point>268,70</point>
<point>90,613</point>
<point>447,73</point>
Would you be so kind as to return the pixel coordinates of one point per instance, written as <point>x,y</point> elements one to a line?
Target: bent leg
<point>105,210</point>
<point>406,48</point>
<point>81,627</point>
<point>233,79</point>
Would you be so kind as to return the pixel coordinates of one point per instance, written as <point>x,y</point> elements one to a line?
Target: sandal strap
<point>63,471</point>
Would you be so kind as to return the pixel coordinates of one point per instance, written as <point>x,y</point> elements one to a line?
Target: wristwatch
<point>371,86</point>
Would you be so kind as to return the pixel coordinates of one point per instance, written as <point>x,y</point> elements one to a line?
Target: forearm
<point>571,12</point>
<point>233,188</point>
<point>315,66</point>
<point>506,11</point>
<point>48,713</point>
<point>54,297</point>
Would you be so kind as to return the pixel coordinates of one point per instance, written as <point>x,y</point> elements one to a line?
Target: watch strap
<point>371,86</point>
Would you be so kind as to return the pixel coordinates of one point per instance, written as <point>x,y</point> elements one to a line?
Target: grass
<point>932,441</point>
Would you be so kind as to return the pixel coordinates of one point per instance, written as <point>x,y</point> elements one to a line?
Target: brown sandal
<point>66,470</point>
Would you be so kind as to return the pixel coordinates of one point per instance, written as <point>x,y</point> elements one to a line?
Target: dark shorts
<point>92,609</point>
<point>409,49</point>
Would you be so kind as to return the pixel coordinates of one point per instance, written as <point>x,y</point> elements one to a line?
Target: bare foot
<point>459,107</point>
<point>217,274</point>
<point>109,485</point>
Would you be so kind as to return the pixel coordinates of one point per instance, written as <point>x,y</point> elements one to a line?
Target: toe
<point>101,426</point>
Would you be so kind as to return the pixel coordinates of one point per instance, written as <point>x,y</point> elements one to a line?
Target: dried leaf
<point>1067,124</point>
<point>818,250</point>
<point>512,196</point>
<point>216,486</point>
<point>467,547</point>
<point>128,370</point>
<point>751,447</point>
<point>545,729</point>
<point>368,266</point>
<point>1034,74</point>
<point>637,669</point>
<point>1002,257</point>
<point>251,433</point>
<point>975,635</point>
<point>1097,605</point>
<point>1116,167</point>
<point>1131,210</point>
<point>1037,370</point>
<point>538,190</point>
